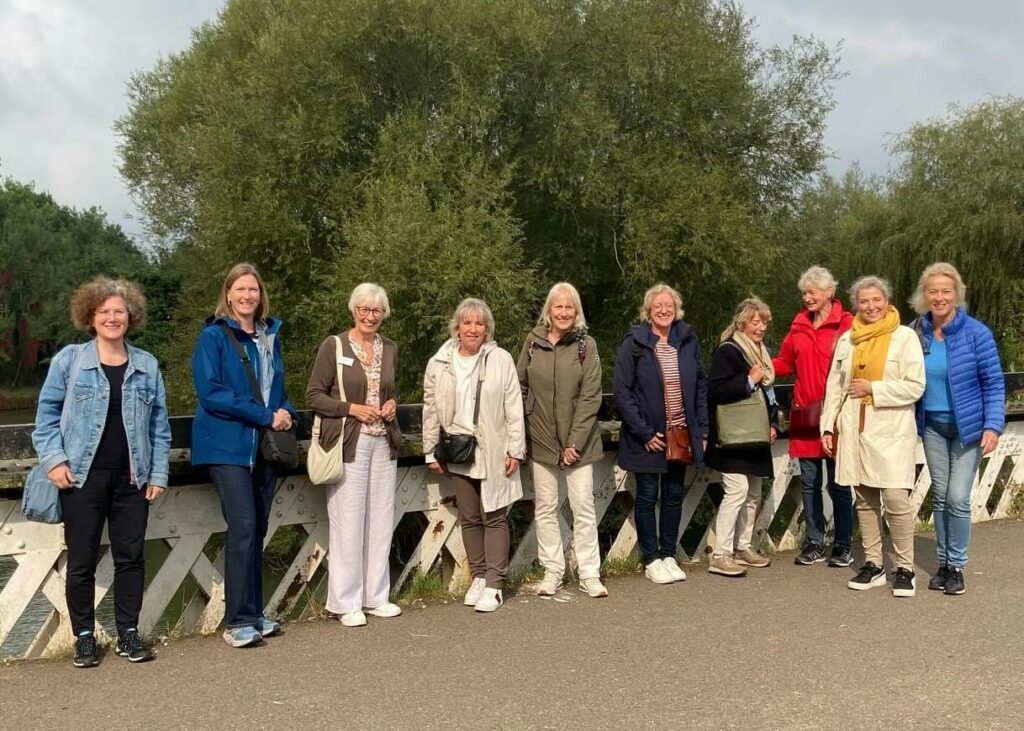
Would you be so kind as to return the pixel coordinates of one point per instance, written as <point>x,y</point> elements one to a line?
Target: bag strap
<point>479,387</point>
<point>341,391</point>
<point>250,372</point>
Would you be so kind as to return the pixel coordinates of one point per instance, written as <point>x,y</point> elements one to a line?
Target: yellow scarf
<point>871,346</point>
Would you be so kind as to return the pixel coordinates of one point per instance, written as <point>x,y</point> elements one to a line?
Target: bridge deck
<point>785,647</point>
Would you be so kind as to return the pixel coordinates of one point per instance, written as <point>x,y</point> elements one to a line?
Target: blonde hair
<point>818,277</point>
<point>472,306</point>
<point>88,298</point>
<point>745,312</point>
<point>237,272</point>
<point>938,269</point>
<point>574,296</point>
<point>369,292</point>
<point>867,282</point>
<point>649,295</point>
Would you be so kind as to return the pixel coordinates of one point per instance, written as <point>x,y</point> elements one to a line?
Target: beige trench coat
<point>500,429</point>
<point>883,454</point>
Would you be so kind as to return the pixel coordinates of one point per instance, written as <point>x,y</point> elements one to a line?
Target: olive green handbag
<point>744,423</point>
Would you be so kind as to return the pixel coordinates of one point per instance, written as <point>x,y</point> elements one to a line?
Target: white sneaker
<point>657,572</point>
<point>387,609</point>
<point>490,601</point>
<point>353,619</point>
<point>476,591</point>
<point>593,587</point>
<point>673,569</point>
<point>549,585</point>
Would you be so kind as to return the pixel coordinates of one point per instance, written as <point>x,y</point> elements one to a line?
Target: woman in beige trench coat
<point>868,423</point>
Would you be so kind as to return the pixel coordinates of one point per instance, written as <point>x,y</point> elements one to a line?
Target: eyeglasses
<point>368,311</point>
<point>119,314</point>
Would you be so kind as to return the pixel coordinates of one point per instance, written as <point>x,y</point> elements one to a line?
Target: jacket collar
<point>446,351</point>
<point>950,328</point>
<point>804,321</point>
<point>679,333</point>
<point>272,324</point>
<point>90,357</point>
<point>539,334</point>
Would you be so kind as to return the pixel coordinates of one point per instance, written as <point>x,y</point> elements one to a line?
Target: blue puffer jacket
<point>226,426</point>
<point>975,375</point>
<point>640,395</point>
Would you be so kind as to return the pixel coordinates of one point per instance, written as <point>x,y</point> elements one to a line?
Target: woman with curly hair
<point>103,436</point>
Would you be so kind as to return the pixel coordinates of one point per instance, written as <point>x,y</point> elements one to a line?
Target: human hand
<point>282,420</point>
<point>363,412</point>
<point>153,492</point>
<point>436,467</point>
<point>61,476</point>
<point>828,443</point>
<point>860,387</point>
<point>570,456</point>
<point>773,435</point>
<point>989,441</point>
<point>756,373</point>
<point>656,443</point>
<point>511,465</point>
<point>388,410</point>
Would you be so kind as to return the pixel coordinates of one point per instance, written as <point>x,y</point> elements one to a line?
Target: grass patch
<point>533,574</point>
<point>425,587</point>
<point>622,566</point>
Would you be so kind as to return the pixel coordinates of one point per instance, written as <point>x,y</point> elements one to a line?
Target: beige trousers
<point>734,526</point>
<point>899,514</point>
<point>580,485</point>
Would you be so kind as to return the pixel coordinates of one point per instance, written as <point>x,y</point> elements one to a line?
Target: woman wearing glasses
<point>361,506</point>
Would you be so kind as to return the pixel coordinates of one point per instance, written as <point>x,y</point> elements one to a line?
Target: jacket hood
<point>644,335</point>
<point>802,320</point>
<point>540,333</point>
<point>444,353</point>
<point>272,324</point>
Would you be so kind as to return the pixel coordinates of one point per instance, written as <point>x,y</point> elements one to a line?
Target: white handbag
<point>327,466</point>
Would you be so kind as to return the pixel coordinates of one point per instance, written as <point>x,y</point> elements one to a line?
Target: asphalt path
<point>786,647</point>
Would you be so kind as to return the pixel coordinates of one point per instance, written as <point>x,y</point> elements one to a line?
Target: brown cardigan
<point>324,397</point>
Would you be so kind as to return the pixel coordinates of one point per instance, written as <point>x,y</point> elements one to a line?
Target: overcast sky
<point>64,65</point>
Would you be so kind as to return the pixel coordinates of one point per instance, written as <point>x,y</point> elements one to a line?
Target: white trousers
<point>580,484</point>
<point>361,510</point>
<point>734,525</point>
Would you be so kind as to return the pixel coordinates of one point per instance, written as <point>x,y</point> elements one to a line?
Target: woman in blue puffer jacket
<point>961,415</point>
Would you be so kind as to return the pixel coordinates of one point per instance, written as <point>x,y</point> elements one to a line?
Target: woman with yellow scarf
<point>868,423</point>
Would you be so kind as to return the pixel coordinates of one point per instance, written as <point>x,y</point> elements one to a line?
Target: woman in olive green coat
<point>560,373</point>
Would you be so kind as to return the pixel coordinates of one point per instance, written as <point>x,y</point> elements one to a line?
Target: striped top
<point>668,361</point>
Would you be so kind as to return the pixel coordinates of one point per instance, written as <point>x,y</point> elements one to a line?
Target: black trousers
<point>106,497</point>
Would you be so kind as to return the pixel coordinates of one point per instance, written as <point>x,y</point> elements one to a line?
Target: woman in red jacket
<point>806,354</point>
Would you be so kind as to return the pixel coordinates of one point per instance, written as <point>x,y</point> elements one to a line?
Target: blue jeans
<point>245,499</point>
<point>952,468</point>
<point>659,541</point>
<point>814,510</point>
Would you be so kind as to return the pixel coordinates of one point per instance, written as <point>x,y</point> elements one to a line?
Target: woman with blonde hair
<point>961,415</point>
<point>741,366</point>
<point>868,425</point>
<point>361,412</point>
<point>661,396</point>
<point>560,374</point>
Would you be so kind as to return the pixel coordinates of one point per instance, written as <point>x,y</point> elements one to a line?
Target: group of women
<point>865,388</point>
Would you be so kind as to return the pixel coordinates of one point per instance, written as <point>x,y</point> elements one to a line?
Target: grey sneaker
<point>747,557</point>
<point>242,636</point>
<point>726,566</point>
<point>840,558</point>
<point>813,553</point>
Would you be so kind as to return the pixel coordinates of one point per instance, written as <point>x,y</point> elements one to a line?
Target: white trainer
<point>673,569</point>
<point>549,585</point>
<point>593,587</point>
<point>657,572</point>
<point>476,592</point>
<point>490,601</point>
<point>353,619</point>
<point>387,609</point>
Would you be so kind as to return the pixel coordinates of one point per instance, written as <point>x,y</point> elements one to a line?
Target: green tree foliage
<point>481,147</point>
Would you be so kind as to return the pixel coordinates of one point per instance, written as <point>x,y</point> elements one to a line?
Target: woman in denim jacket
<point>110,459</point>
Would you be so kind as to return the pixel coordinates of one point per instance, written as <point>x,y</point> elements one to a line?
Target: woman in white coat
<point>868,423</point>
<point>471,391</point>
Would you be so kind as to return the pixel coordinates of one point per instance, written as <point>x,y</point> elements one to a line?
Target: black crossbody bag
<point>279,448</point>
<point>461,448</point>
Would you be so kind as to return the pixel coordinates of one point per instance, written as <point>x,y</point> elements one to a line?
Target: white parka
<point>500,430</point>
<point>882,455</point>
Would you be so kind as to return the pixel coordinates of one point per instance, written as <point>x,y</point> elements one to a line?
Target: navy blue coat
<point>975,375</point>
<point>640,395</point>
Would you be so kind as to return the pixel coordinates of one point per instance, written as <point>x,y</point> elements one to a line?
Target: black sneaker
<point>85,651</point>
<point>955,582</point>
<point>903,583</point>
<point>840,558</point>
<point>868,577</point>
<point>813,553</point>
<point>938,582</point>
<point>130,645</point>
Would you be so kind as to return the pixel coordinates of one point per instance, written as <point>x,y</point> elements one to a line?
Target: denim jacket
<point>143,408</point>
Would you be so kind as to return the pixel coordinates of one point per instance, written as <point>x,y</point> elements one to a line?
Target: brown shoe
<point>746,557</point>
<point>726,566</point>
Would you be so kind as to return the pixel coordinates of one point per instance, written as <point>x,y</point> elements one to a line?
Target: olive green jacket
<point>562,394</point>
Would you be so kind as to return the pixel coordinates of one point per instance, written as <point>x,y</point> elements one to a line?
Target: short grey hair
<point>371,293</point>
<point>472,306</point>
<point>938,269</point>
<point>649,295</point>
<point>866,283</point>
<point>818,278</point>
<point>574,296</point>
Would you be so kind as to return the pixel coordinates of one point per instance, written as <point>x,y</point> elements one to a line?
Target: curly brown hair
<point>88,298</point>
